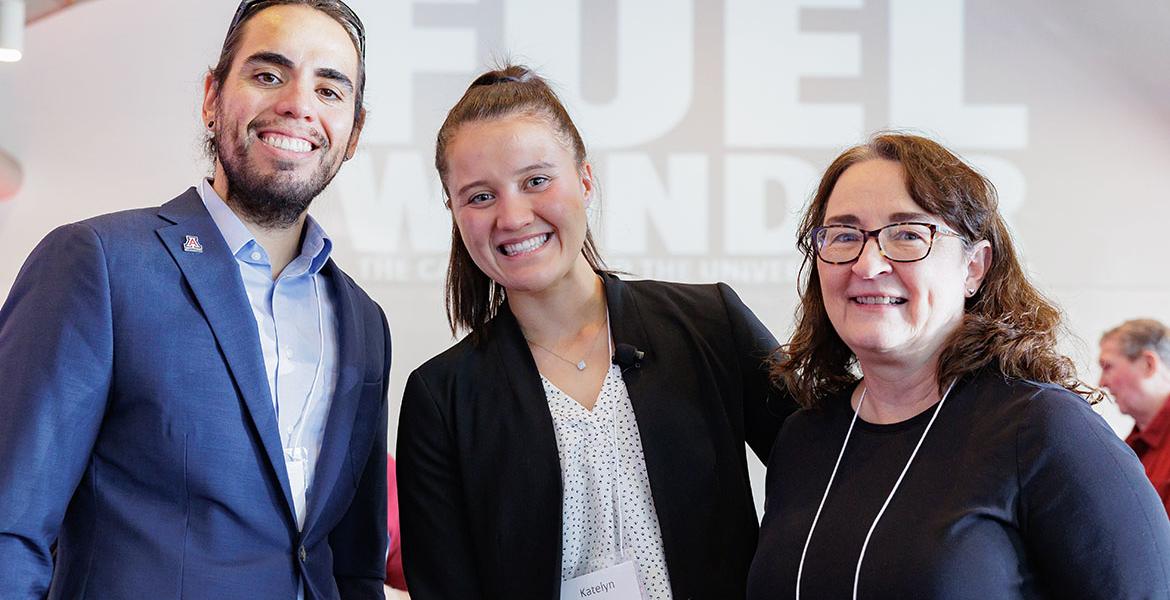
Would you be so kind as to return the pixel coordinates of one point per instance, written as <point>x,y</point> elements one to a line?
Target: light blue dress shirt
<point>297,324</point>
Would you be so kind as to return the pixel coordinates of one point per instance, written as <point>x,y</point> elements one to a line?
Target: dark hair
<point>513,90</point>
<point>247,9</point>
<point>1138,335</point>
<point>1008,324</point>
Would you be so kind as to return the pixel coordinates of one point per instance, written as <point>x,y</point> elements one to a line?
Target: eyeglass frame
<point>935,231</point>
<point>249,7</point>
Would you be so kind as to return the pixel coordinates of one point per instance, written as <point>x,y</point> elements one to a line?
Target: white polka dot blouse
<point>590,473</point>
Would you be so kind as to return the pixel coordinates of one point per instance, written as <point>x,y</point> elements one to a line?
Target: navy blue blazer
<point>479,475</point>
<point>137,429</point>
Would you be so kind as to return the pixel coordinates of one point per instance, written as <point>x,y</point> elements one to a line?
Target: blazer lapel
<point>215,281</point>
<point>672,453</point>
<point>339,428</point>
<point>532,474</point>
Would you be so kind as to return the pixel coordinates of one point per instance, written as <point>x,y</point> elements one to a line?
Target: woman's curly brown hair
<point>1008,325</point>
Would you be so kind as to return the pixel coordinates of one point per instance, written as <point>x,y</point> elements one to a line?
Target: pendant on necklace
<point>581,365</point>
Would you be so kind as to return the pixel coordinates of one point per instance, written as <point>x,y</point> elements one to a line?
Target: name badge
<point>619,582</point>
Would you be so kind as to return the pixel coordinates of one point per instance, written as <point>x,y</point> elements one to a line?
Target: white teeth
<point>287,143</point>
<point>879,300</point>
<point>527,245</point>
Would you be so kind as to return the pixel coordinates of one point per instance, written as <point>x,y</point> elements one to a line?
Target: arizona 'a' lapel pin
<point>191,244</point>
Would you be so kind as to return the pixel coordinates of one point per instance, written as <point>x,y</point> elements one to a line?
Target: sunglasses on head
<point>250,7</point>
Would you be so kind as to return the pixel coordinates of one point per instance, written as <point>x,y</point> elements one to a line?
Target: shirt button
<point>302,554</point>
<point>256,256</point>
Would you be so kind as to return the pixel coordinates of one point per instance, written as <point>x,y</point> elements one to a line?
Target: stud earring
<point>210,124</point>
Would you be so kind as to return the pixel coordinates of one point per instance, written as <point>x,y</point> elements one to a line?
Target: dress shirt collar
<point>1156,432</point>
<point>315,244</point>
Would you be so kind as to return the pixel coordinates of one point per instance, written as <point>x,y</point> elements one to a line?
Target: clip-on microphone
<point>627,356</point>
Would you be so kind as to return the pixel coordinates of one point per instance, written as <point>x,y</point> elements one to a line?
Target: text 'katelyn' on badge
<point>619,582</point>
<point>191,244</point>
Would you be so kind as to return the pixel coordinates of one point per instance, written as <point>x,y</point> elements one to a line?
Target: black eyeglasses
<point>250,7</point>
<point>899,242</point>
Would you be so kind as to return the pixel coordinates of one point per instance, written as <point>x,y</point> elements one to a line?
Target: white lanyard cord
<point>864,545</point>
<point>617,455</point>
<point>869,534</point>
<point>832,476</point>
<point>298,430</point>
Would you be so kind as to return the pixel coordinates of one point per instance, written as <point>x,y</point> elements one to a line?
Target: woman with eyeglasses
<point>944,449</point>
<point>587,438</point>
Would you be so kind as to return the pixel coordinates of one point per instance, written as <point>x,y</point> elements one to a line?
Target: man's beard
<point>274,200</point>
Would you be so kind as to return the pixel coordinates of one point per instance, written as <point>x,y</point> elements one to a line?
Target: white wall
<point>708,123</point>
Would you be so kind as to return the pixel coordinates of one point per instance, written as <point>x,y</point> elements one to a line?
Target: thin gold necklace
<point>581,364</point>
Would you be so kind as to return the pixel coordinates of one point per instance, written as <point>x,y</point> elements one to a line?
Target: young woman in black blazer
<point>503,493</point>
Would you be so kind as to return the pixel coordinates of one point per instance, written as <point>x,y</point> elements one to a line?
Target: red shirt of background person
<point>1135,368</point>
<point>394,577</point>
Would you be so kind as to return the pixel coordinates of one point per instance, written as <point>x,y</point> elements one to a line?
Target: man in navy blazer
<point>193,396</point>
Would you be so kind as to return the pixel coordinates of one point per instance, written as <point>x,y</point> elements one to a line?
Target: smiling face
<point>889,311</point>
<point>518,197</point>
<point>284,116</point>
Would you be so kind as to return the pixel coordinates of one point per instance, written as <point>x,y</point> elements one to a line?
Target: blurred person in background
<point>1135,368</point>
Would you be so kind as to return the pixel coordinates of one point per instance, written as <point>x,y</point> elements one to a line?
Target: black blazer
<point>479,473</point>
